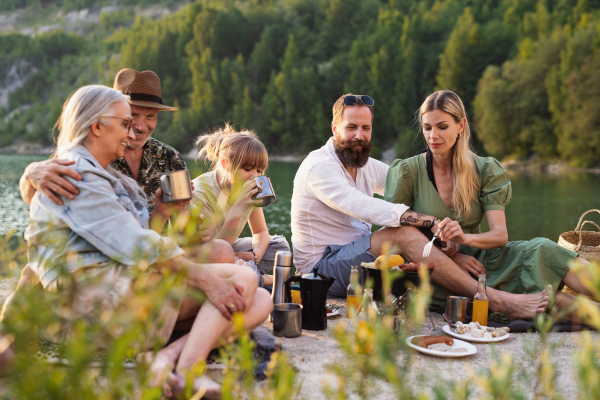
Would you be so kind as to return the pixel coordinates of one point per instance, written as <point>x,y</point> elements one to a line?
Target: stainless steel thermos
<point>281,272</point>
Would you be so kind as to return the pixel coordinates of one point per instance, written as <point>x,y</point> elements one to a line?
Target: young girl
<point>224,196</point>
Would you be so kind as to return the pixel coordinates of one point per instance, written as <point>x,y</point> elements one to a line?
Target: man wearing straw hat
<point>145,157</point>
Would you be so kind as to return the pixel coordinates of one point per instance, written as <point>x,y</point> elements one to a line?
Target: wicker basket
<point>586,243</point>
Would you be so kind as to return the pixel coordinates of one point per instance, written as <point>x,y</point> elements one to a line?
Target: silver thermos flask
<point>281,272</point>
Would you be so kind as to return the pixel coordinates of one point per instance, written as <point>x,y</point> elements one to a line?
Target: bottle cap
<point>283,258</point>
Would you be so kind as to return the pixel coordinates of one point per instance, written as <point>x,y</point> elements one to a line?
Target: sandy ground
<point>313,351</point>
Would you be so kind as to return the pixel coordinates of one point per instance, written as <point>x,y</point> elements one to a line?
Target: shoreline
<point>529,166</point>
<point>555,167</point>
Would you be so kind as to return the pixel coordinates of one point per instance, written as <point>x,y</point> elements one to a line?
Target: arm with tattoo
<point>413,218</point>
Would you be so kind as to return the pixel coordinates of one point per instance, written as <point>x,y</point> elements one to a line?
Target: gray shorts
<point>337,262</point>
<point>276,243</point>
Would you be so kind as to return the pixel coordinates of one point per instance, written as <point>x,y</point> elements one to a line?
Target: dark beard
<point>349,156</point>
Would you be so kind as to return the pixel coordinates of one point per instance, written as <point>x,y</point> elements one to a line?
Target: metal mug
<point>266,194</point>
<point>458,307</point>
<point>287,320</point>
<point>176,186</point>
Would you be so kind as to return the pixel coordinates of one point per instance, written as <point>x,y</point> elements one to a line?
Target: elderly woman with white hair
<point>96,239</point>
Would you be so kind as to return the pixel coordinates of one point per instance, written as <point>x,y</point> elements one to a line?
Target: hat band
<point>144,97</point>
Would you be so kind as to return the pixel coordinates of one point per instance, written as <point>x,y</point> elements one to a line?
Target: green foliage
<point>470,48</point>
<point>523,68</point>
<point>36,316</point>
<point>77,4</point>
<point>511,106</point>
<point>9,5</point>
<point>109,21</point>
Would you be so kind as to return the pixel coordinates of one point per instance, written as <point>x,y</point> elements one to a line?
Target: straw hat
<point>142,87</point>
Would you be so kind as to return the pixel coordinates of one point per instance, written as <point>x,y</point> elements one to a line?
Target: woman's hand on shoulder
<point>469,264</point>
<point>451,230</point>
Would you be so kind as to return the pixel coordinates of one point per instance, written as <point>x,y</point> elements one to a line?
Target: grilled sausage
<point>425,341</point>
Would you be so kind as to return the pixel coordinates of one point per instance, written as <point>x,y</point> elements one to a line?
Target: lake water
<point>542,205</point>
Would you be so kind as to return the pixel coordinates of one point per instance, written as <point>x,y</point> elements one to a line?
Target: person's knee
<point>281,244</point>
<point>406,236</point>
<point>263,297</point>
<point>220,252</point>
<point>28,277</point>
<point>247,278</point>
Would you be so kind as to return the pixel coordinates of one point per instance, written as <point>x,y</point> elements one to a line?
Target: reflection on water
<point>14,213</point>
<point>547,205</point>
<point>542,205</point>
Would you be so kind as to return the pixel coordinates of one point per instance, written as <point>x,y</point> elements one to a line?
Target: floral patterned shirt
<point>157,159</point>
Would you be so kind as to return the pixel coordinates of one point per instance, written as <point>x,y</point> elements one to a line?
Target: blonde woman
<point>452,183</point>
<point>96,239</point>
<point>224,196</point>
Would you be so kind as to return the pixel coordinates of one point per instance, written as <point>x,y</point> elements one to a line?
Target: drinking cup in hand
<point>176,186</point>
<point>266,194</point>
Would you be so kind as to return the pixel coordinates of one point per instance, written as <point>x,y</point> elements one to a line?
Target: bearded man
<point>333,207</point>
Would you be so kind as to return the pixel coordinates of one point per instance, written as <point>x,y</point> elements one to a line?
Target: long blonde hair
<point>84,107</point>
<point>464,178</point>
<point>241,149</point>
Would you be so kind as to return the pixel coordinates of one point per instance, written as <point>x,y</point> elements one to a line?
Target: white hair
<point>83,108</point>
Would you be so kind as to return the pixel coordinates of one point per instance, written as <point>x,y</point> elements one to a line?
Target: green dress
<point>519,267</point>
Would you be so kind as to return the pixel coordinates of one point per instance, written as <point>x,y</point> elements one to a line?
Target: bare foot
<point>161,370</point>
<point>521,306</point>
<point>210,389</point>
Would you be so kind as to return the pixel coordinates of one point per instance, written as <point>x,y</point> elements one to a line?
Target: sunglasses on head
<point>351,100</point>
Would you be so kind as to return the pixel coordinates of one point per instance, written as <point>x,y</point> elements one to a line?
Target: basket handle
<point>579,225</point>
<point>581,236</point>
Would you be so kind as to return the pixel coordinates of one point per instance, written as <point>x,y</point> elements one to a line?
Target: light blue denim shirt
<point>100,224</point>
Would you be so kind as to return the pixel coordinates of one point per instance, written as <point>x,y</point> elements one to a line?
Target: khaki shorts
<point>105,294</point>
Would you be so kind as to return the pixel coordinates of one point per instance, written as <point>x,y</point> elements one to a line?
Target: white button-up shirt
<point>330,208</point>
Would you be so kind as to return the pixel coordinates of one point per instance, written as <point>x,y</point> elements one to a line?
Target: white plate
<point>333,313</point>
<point>457,343</point>
<point>470,338</point>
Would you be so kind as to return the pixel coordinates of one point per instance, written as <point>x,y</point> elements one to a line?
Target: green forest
<point>527,70</point>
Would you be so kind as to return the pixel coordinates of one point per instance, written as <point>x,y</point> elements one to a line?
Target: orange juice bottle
<point>354,294</point>
<point>481,303</point>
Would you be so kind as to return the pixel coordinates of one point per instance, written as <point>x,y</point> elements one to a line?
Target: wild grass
<point>389,368</point>
<point>36,317</point>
